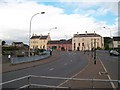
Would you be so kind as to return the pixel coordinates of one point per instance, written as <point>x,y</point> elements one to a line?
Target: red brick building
<point>60,45</point>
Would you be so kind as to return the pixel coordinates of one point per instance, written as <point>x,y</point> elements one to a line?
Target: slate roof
<point>18,42</point>
<point>60,41</point>
<point>87,35</point>
<point>39,37</point>
<point>116,38</point>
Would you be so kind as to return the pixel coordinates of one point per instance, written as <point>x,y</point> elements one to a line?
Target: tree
<point>3,43</point>
<point>107,41</point>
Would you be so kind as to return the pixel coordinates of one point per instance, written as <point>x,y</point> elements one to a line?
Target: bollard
<point>50,52</point>
<point>94,61</point>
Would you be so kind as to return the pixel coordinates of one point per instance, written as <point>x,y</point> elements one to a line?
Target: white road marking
<point>51,69</point>
<point>74,75</point>
<point>112,84</point>
<point>99,73</point>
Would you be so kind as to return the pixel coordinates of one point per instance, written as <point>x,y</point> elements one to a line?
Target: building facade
<point>39,41</point>
<point>116,42</point>
<point>60,45</point>
<point>87,41</point>
<point>17,44</point>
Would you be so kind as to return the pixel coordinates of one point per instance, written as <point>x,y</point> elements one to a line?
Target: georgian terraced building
<point>87,41</point>
<point>39,41</point>
<point>79,42</point>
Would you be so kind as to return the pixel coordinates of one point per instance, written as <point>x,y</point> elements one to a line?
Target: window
<point>97,44</point>
<point>78,44</point>
<point>44,46</point>
<point>74,44</point>
<point>82,44</point>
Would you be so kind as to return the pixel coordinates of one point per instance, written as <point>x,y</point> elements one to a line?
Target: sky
<point>69,16</point>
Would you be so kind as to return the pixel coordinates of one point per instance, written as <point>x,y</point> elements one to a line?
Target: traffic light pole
<point>94,51</point>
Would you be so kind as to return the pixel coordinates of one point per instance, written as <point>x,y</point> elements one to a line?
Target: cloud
<point>15,21</point>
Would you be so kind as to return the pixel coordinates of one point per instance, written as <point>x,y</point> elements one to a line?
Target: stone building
<point>115,43</point>
<point>87,41</point>
<point>39,41</point>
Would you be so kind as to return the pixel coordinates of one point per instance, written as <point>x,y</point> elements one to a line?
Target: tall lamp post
<point>52,28</point>
<point>30,29</point>
<point>110,36</point>
<point>49,33</point>
<point>66,42</point>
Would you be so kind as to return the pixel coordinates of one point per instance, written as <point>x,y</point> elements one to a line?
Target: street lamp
<point>66,42</point>
<point>52,28</point>
<point>110,36</point>
<point>30,28</point>
<point>94,49</point>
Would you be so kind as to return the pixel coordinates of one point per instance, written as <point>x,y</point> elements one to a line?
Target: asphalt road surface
<point>67,65</point>
<point>110,63</point>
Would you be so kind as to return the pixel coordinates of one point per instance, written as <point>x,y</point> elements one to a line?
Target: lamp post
<point>66,42</point>
<point>110,36</point>
<point>52,28</point>
<point>30,29</point>
<point>94,51</point>
<point>49,34</point>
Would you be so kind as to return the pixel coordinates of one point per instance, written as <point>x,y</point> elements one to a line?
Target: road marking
<point>112,84</point>
<point>75,74</point>
<point>51,69</point>
<point>99,73</point>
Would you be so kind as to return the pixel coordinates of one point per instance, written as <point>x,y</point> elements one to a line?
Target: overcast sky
<point>68,16</point>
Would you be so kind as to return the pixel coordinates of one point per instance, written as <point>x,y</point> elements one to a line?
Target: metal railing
<point>29,84</point>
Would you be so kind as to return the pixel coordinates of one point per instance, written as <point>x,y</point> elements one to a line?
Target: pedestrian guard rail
<point>17,60</point>
<point>29,83</point>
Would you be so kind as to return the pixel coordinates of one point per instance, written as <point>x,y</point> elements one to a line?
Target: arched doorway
<point>62,49</point>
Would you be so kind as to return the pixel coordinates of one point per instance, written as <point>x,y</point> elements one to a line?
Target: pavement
<point>7,67</point>
<point>91,71</point>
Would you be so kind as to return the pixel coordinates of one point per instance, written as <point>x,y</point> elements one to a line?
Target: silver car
<point>114,52</point>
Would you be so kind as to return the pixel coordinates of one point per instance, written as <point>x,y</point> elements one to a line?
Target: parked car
<point>114,52</point>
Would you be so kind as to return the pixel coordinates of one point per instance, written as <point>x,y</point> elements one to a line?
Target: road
<point>67,65</point>
<point>110,63</point>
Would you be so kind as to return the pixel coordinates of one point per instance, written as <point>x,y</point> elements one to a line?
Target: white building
<point>87,41</point>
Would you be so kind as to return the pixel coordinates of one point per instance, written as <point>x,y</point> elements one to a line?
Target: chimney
<point>94,32</point>
<point>86,32</point>
<point>33,34</point>
<point>77,33</point>
<point>48,34</point>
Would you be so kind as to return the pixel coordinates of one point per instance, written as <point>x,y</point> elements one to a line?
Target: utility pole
<point>94,51</point>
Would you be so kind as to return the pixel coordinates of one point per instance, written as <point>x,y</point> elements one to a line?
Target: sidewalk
<point>7,67</point>
<point>91,71</point>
